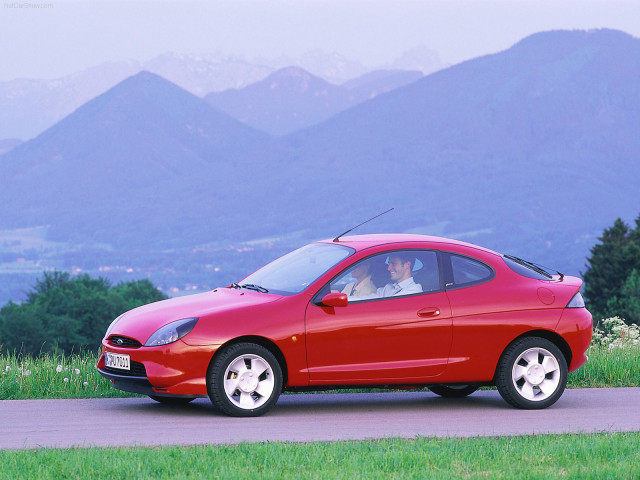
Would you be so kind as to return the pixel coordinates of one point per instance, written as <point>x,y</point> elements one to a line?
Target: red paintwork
<point>452,336</point>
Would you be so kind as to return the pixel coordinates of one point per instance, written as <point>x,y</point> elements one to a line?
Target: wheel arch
<point>553,337</point>
<point>263,342</point>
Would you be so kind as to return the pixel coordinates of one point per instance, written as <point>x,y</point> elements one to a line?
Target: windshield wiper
<point>257,288</point>
<point>235,285</point>
<point>533,266</point>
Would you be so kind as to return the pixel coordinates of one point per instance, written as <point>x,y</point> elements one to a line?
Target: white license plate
<point>117,360</point>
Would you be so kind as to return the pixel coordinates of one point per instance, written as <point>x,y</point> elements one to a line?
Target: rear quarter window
<point>468,271</point>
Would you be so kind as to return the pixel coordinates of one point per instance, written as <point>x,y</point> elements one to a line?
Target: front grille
<point>119,341</point>
<point>137,370</point>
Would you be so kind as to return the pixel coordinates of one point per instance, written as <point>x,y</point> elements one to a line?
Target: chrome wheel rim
<point>249,381</point>
<point>536,374</point>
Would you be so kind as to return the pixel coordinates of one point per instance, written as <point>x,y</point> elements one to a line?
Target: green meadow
<point>595,456</point>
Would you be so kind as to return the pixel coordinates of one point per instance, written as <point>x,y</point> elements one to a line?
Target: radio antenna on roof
<point>337,239</point>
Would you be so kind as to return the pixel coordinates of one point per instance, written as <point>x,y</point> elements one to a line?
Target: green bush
<point>66,314</point>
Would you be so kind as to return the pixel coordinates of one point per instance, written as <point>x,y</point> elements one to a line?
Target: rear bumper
<point>576,327</point>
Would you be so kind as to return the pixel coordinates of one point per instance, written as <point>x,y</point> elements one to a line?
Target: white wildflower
<point>66,379</point>
<point>86,384</point>
<point>26,373</point>
<point>77,371</point>
<point>7,368</point>
<point>59,368</point>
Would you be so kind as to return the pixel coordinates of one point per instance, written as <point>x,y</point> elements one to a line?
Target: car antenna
<point>337,239</point>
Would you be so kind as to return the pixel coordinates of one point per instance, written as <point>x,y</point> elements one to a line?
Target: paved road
<point>311,417</point>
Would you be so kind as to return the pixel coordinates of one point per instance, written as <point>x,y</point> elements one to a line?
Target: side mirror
<point>335,300</point>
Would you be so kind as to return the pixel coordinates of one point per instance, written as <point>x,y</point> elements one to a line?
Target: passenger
<point>363,284</point>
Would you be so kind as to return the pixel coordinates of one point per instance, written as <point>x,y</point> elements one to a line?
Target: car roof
<point>361,242</point>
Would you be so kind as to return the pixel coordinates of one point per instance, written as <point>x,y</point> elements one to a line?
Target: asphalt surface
<point>307,418</point>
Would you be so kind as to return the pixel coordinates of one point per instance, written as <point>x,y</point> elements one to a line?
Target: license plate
<point>117,360</point>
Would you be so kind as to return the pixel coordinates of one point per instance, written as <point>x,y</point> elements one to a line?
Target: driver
<point>400,265</point>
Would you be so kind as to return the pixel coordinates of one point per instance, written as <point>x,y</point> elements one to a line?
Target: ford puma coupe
<point>365,311</point>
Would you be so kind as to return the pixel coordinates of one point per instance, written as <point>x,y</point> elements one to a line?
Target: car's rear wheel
<point>453,391</point>
<point>532,373</point>
<point>172,400</point>
<point>244,380</point>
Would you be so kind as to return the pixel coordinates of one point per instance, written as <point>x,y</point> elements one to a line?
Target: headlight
<point>111,325</point>
<point>576,302</point>
<point>172,332</point>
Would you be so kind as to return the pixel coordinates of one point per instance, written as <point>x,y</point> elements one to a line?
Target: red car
<point>365,311</point>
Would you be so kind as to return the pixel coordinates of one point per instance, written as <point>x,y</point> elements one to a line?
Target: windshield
<point>297,270</point>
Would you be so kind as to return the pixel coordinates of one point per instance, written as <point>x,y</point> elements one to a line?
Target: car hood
<point>140,323</point>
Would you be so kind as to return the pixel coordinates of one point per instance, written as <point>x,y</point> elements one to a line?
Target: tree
<point>611,263</point>
<point>627,304</point>
<point>69,314</point>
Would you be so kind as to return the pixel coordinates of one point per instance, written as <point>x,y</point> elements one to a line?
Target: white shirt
<point>405,287</point>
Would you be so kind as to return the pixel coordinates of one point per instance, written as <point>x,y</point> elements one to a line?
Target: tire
<point>244,380</point>
<point>172,400</point>
<point>453,391</point>
<point>532,373</point>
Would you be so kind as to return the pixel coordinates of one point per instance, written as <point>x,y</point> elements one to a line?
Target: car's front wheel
<point>453,391</point>
<point>244,380</point>
<point>532,373</point>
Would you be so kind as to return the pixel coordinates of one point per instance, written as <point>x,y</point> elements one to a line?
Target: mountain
<point>201,74</point>
<point>29,106</point>
<point>285,101</point>
<point>291,98</point>
<point>419,58</point>
<point>8,144</point>
<point>332,67</point>
<point>374,83</point>
<point>530,150</point>
<point>120,158</point>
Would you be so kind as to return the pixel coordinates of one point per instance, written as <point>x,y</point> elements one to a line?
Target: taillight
<point>576,302</point>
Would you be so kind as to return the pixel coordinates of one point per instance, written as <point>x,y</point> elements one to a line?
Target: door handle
<point>429,312</point>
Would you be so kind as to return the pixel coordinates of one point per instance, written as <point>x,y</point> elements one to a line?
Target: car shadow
<point>330,403</point>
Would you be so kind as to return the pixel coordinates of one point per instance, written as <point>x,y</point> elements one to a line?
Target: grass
<point>594,456</point>
<point>608,367</point>
<point>75,376</point>
<point>53,376</point>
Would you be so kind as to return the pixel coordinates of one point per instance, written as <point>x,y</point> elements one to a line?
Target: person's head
<point>399,267</point>
<point>361,271</point>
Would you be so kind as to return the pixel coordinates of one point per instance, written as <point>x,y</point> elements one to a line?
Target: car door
<point>403,338</point>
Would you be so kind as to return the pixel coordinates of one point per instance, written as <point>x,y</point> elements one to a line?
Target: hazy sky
<point>74,34</point>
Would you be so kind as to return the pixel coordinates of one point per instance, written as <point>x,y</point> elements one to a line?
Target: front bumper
<point>169,370</point>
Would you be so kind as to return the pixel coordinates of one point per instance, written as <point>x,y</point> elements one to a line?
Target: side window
<point>389,274</point>
<point>467,271</point>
